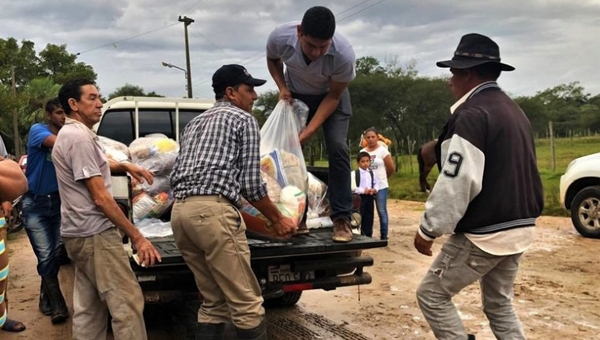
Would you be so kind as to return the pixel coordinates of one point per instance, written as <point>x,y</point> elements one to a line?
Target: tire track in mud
<point>294,324</point>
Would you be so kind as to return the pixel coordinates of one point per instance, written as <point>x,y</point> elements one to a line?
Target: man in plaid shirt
<point>219,162</point>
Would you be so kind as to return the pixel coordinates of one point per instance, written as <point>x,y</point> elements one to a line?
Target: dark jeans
<point>335,129</point>
<point>367,204</point>
<point>41,216</point>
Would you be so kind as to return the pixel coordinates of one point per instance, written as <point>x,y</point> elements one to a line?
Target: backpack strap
<point>372,179</point>
<point>357,177</point>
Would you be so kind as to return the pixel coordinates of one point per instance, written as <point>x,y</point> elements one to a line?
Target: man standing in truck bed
<point>319,65</point>
<point>219,163</point>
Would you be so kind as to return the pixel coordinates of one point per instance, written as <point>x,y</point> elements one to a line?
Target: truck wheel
<point>288,299</point>
<point>585,212</point>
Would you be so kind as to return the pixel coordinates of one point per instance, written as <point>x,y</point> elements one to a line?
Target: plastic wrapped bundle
<point>114,150</point>
<point>317,190</point>
<point>157,154</point>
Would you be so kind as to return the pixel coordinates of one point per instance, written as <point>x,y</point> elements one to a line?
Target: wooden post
<point>552,155</point>
<point>16,137</point>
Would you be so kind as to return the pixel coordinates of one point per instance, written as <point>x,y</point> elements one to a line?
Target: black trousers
<point>367,205</point>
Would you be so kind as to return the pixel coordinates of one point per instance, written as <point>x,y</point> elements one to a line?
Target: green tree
<point>20,58</point>
<point>127,90</point>
<point>368,65</point>
<point>37,93</point>
<point>131,90</point>
<point>563,104</point>
<point>60,65</point>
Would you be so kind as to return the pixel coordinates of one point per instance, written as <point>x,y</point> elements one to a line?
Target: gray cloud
<point>549,41</point>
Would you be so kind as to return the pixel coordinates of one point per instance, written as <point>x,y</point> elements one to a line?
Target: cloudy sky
<point>550,42</point>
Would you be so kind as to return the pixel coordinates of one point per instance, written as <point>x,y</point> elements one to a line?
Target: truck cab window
<point>119,124</point>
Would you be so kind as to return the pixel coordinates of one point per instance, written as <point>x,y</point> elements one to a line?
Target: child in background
<point>366,186</point>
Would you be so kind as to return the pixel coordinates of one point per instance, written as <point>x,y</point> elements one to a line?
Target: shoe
<point>341,230</point>
<point>45,305</point>
<point>302,229</point>
<point>210,331</point>
<point>257,333</point>
<point>61,312</point>
<point>471,337</point>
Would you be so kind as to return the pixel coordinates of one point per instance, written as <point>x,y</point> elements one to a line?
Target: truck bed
<point>318,241</point>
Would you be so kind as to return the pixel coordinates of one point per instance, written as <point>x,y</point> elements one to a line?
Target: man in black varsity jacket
<point>487,196</point>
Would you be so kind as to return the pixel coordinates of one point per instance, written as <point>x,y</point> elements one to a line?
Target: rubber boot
<point>45,304</point>
<point>61,312</point>
<point>210,331</point>
<point>257,333</point>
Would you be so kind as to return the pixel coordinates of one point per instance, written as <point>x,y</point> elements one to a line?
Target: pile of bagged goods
<point>283,170</point>
<point>157,153</point>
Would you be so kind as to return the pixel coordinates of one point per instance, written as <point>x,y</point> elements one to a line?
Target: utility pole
<point>186,22</point>
<point>16,138</point>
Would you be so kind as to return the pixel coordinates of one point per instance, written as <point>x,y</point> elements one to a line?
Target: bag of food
<point>114,150</point>
<point>282,167</point>
<point>156,154</point>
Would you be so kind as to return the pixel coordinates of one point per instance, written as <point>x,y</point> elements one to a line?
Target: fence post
<point>552,155</point>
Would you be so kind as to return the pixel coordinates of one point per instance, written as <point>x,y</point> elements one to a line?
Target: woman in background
<point>383,167</point>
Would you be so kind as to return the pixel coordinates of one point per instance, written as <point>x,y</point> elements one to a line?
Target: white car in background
<point>580,194</point>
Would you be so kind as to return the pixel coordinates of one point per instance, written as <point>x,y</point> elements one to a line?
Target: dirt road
<point>557,293</point>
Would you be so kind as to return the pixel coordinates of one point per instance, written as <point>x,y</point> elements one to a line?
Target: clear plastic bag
<point>156,154</point>
<point>317,190</point>
<point>282,157</point>
<point>114,150</point>
<point>301,113</point>
<point>153,227</point>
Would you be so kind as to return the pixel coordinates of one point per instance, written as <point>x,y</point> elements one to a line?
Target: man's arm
<point>13,182</point>
<point>283,226</point>
<point>137,172</point>
<point>275,67</point>
<point>49,141</point>
<point>147,254</point>
<point>326,108</point>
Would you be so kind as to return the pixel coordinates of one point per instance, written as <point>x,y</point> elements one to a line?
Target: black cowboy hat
<point>473,50</point>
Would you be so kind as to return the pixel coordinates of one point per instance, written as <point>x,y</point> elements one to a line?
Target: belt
<point>210,198</point>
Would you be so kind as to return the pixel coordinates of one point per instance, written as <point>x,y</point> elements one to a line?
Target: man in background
<point>487,196</point>
<point>41,210</point>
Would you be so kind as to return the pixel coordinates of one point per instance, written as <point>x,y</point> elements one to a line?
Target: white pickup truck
<point>284,268</point>
<point>580,193</point>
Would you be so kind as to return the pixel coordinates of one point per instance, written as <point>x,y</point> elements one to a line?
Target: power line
<point>362,10</point>
<point>187,9</point>
<point>114,43</point>
<point>349,8</point>
<point>222,50</point>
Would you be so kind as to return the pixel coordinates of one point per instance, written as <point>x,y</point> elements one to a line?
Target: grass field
<point>405,183</point>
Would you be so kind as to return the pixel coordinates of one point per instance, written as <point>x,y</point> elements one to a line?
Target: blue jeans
<point>335,130</point>
<point>41,215</point>
<point>381,203</point>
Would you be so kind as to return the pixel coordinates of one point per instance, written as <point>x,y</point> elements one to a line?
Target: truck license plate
<point>283,273</point>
